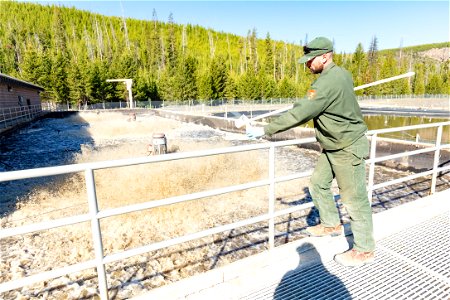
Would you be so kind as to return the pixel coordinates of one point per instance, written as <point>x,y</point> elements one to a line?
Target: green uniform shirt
<point>332,105</point>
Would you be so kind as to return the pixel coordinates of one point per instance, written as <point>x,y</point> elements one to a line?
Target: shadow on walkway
<point>310,280</point>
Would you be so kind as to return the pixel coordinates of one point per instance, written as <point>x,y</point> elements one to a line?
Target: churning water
<point>46,142</point>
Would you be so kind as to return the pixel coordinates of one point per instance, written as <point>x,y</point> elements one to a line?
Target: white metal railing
<point>436,148</point>
<point>11,116</point>
<point>95,215</point>
<point>403,96</point>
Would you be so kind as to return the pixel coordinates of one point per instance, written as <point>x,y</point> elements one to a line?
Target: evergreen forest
<point>71,53</point>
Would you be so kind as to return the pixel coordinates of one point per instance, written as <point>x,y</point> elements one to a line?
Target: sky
<point>394,23</point>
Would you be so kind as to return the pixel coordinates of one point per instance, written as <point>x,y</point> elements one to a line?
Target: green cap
<point>316,47</point>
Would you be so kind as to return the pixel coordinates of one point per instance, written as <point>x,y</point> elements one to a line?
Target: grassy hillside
<point>72,52</point>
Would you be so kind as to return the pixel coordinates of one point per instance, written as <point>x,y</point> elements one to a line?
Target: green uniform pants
<point>347,166</point>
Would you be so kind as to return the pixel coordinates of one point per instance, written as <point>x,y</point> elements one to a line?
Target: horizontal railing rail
<point>95,215</point>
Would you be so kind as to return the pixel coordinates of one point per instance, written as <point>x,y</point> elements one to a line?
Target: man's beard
<point>316,71</point>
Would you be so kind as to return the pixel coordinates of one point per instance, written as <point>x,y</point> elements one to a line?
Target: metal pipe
<point>410,177</point>
<point>436,159</point>
<point>96,234</point>
<point>48,275</point>
<point>406,75</point>
<point>271,197</point>
<point>8,232</point>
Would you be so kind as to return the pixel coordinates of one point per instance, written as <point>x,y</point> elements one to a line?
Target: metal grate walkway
<point>411,264</point>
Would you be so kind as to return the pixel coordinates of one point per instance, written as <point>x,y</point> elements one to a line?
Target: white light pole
<point>128,83</point>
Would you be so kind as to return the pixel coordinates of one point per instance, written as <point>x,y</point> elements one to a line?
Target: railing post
<point>373,150</point>
<point>271,197</point>
<point>96,234</point>
<point>436,159</point>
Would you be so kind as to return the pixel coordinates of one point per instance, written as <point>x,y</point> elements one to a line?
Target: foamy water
<point>106,136</point>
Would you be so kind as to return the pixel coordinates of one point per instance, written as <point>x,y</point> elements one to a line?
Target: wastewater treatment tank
<point>106,136</point>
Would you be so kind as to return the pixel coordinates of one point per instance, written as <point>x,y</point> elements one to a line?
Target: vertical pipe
<point>96,234</point>
<point>130,95</point>
<point>373,149</point>
<point>271,196</point>
<point>436,159</point>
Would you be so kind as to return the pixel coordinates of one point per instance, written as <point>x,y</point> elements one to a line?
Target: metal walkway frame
<point>412,262</point>
<point>95,215</point>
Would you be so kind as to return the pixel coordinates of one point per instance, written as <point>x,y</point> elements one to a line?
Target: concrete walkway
<point>412,262</point>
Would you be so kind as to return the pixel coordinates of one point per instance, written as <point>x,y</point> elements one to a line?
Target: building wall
<point>12,95</point>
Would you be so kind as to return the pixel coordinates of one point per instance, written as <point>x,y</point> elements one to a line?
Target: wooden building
<point>18,93</point>
<point>20,102</point>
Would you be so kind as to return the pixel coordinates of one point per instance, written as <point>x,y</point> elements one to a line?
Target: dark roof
<point>8,79</point>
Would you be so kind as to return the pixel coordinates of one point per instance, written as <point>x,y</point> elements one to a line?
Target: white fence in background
<point>214,104</point>
<point>95,215</point>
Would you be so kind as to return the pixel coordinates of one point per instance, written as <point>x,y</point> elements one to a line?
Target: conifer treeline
<point>71,53</point>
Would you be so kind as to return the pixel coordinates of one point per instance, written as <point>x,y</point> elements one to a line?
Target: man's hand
<point>254,132</point>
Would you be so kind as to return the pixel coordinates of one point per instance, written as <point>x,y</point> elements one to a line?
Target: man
<point>340,130</point>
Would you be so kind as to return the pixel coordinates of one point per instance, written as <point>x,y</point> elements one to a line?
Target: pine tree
<point>155,47</point>
<point>172,55</point>
<point>77,86</point>
<point>187,80</point>
<point>286,88</point>
<point>419,85</point>
<point>144,88</point>
<point>268,63</point>
<point>434,85</point>
<point>358,61</point>
<point>219,74</point>
<point>59,32</point>
<point>11,52</point>
<point>389,69</point>
<point>30,65</point>
<point>231,88</point>
<point>60,85</point>
<point>254,50</point>
<point>268,86</point>
<point>445,75</point>
<point>277,63</point>
<point>95,84</point>
<point>204,86</point>
<point>167,87</point>
<point>291,63</point>
<point>373,51</point>
<point>248,88</point>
